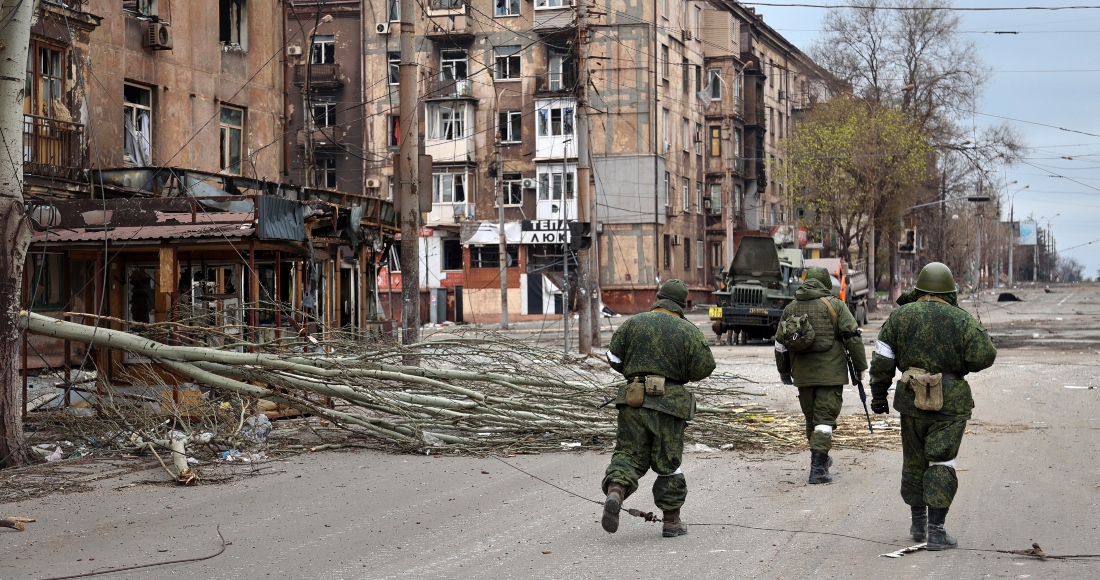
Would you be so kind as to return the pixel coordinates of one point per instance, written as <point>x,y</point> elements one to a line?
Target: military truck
<point>849,285</point>
<point>751,296</point>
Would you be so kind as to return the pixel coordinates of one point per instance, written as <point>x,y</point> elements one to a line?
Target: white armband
<point>779,347</point>
<point>611,357</point>
<point>884,349</point>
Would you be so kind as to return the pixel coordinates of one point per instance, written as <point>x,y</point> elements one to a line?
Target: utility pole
<point>497,181</point>
<point>585,274</point>
<point>409,169</point>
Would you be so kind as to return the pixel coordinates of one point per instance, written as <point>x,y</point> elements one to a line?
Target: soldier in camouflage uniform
<point>821,371</point>
<point>651,436</point>
<point>930,333</point>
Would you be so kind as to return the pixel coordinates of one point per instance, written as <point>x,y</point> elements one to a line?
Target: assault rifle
<point>859,384</point>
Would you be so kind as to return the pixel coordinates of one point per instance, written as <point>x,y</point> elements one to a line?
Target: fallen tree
<point>482,392</point>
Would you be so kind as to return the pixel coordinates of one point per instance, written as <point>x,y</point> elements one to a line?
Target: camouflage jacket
<point>662,342</point>
<point>823,364</point>
<point>936,337</point>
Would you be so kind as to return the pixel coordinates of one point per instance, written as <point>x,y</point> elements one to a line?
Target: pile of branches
<point>464,391</point>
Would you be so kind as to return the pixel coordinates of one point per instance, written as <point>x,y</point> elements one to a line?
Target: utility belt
<point>927,388</point>
<point>653,385</point>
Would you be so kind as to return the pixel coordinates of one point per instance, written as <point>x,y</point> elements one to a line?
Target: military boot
<point>919,528</point>
<point>673,526</point>
<point>819,468</point>
<point>938,539</point>
<point>611,506</point>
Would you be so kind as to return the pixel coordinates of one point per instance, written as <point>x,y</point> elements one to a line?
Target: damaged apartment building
<point>687,101</point>
<point>158,161</point>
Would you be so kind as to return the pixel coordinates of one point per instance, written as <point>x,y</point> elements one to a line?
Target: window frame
<point>510,127</point>
<point>132,110</point>
<point>233,33</point>
<point>685,128</point>
<point>505,59</point>
<point>393,131</point>
<point>714,81</point>
<point>699,197</point>
<point>685,192</point>
<point>444,251</point>
<point>511,189</point>
<point>488,255</point>
<point>323,45</point>
<point>714,138</point>
<point>225,128</point>
<point>393,72</point>
<point>458,126</point>
<point>450,62</point>
<point>45,274</point>
<point>564,187</point>
<point>566,121</point>
<point>439,180</point>
<point>687,254</point>
<point>328,116</point>
<point>509,5</point>
<point>325,172</point>
<point>549,4</point>
<point>700,254</point>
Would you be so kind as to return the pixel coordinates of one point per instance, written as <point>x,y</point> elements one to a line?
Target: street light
<point>1012,226</point>
<point>1035,257</point>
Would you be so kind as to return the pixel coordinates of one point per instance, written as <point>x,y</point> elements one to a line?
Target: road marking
<point>1063,301</point>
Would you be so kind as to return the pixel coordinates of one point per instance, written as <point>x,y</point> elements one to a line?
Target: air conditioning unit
<point>294,50</point>
<point>382,28</point>
<point>782,94</point>
<point>529,183</point>
<point>668,146</point>
<point>670,211</point>
<point>373,183</point>
<point>706,203</point>
<point>158,36</point>
<point>677,240</point>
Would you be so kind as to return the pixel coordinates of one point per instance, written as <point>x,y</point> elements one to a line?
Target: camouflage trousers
<point>820,406</point>
<point>648,439</point>
<point>927,444</point>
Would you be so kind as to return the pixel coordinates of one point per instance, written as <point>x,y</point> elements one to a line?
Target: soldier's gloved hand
<point>879,406</point>
<point>787,380</point>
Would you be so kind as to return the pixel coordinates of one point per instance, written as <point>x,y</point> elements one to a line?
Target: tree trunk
<point>15,232</point>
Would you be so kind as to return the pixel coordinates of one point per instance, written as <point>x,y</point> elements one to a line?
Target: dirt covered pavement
<point>1029,471</point>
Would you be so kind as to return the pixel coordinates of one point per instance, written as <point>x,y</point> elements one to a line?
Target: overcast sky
<point>1048,74</point>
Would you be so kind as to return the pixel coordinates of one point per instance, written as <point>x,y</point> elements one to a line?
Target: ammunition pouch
<point>927,388</point>
<point>655,385</point>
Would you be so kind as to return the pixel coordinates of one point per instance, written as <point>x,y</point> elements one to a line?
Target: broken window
<point>448,188</point>
<point>137,108</point>
<point>231,16</point>
<point>393,76</point>
<point>452,254</point>
<point>555,121</point>
<point>453,65</point>
<point>393,130</point>
<point>506,65</point>
<point>512,189</point>
<point>46,278</point>
<point>142,7</point>
<point>506,8</point>
<point>447,121</point>
<point>489,256</point>
<point>556,180</point>
<point>446,4</point>
<point>232,132</point>
<point>43,90</point>
<point>324,49</point>
<point>714,80</point>
<point>510,126</point>
<point>393,8</point>
<point>323,113</point>
<point>326,173</point>
<point>561,70</point>
<point>549,4</point>
<point>142,305</point>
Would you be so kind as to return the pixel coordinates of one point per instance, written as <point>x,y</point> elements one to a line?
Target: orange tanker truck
<point>850,286</point>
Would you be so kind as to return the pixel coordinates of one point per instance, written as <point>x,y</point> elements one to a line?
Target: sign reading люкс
<point>544,232</point>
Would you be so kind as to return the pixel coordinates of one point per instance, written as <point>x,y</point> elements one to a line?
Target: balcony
<point>754,115</point>
<point>449,90</point>
<point>563,82</point>
<point>321,76</point>
<point>454,28</point>
<point>53,148</point>
<point>323,137</point>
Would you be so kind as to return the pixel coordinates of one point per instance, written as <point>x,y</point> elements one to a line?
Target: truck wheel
<point>861,315</point>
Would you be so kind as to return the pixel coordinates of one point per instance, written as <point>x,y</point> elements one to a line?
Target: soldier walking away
<point>816,335</point>
<point>935,344</point>
<point>658,352</point>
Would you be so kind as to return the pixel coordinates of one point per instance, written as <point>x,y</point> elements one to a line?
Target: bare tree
<point>15,232</point>
<point>880,47</point>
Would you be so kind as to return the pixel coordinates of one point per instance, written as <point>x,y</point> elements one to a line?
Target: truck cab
<point>760,283</point>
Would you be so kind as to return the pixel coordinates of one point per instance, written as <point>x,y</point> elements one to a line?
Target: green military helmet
<point>674,290</point>
<point>821,275</point>
<point>936,278</point>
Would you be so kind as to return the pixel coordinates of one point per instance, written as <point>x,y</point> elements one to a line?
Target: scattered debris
<point>904,551</point>
<point>1008,297</point>
<point>15,522</point>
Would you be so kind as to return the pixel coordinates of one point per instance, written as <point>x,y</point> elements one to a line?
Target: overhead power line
<point>920,8</point>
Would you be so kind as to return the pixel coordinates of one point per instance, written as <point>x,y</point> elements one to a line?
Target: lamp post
<point>1012,241</point>
<point>1035,266</point>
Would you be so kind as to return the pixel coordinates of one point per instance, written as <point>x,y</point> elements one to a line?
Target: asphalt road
<point>1029,471</point>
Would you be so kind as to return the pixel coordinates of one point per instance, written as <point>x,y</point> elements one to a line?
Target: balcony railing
<point>53,148</point>
<point>449,89</point>
<point>561,82</point>
<point>323,137</point>
<point>321,76</point>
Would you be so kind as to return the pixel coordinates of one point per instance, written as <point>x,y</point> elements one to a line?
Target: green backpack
<point>796,333</point>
